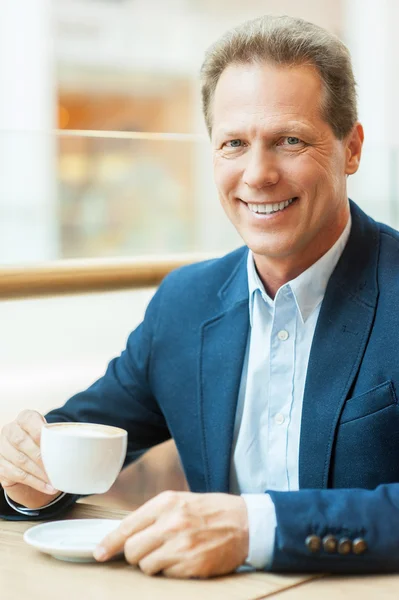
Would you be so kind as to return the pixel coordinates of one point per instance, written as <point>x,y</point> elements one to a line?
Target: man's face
<point>273,150</point>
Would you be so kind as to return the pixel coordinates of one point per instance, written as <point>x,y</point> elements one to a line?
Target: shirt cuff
<point>31,512</point>
<point>262,524</point>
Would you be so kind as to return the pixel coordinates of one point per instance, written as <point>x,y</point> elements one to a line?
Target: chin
<point>272,251</point>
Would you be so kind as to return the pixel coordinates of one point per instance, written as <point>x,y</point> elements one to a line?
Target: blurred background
<point>128,171</point>
<point>103,153</point>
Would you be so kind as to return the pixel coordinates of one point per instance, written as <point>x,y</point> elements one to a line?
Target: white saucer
<point>73,540</point>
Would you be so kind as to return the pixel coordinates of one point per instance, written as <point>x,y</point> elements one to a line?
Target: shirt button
<point>283,335</point>
<point>279,419</point>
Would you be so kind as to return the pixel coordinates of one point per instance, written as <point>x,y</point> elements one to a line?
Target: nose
<point>261,169</point>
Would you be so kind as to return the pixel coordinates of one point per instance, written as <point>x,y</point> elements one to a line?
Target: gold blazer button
<point>344,546</point>
<point>359,546</point>
<point>313,543</point>
<point>330,544</point>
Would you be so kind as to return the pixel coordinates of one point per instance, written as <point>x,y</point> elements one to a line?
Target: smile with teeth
<point>267,209</point>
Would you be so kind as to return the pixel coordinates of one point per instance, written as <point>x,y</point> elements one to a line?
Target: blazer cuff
<point>262,524</point>
<point>31,512</point>
<point>12,511</point>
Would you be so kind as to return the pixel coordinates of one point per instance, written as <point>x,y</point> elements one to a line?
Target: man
<point>275,368</point>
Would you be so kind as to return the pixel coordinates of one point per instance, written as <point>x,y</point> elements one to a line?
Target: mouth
<point>270,208</point>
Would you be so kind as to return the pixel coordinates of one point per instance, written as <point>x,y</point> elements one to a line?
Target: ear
<point>354,145</point>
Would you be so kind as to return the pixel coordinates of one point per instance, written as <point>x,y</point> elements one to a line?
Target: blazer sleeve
<point>122,397</point>
<point>337,530</point>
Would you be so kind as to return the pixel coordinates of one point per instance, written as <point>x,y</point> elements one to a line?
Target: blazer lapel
<point>223,344</point>
<point>341,335</point>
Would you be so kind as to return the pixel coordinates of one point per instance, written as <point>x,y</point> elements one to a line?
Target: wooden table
<point>27,574</point>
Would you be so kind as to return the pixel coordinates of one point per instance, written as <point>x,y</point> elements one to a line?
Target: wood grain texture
<point>26,573</point>
<point>91,275</point>
<point>365,587</point>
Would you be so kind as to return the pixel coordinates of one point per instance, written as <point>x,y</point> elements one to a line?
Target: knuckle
<point>180,521</point>
<point>6,474</point>
<point>22,459</point>
<point>30,419</point>
<point>169,496</point>
<point>188,542</point>
<point>130,555</point>
<point>21,474</point>
<point>124,529</point>
<point>5,431</point>
<point>16,438</point>
<point>24,416</point>
<point>128,547</point>
<point>129,560</point>
<point>146,567</point>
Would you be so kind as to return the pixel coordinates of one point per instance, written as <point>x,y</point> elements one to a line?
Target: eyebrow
<point>281,131</point>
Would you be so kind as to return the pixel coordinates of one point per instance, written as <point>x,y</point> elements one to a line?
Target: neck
<point>275,272</point>
<point>274,278</point>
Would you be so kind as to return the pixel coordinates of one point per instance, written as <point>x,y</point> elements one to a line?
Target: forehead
<point>267,93</point>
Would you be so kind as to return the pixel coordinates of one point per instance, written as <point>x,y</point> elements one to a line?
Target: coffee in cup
<point>82,458</point>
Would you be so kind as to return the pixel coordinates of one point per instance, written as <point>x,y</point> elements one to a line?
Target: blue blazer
<point>180,373</point>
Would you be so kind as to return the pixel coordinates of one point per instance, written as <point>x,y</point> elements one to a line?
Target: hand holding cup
<point>22,473</point>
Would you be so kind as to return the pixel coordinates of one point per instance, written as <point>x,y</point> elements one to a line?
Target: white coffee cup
<point>82,458</point>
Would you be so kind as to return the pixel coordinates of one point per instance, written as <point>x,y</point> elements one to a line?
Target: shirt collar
<point>309,287</point>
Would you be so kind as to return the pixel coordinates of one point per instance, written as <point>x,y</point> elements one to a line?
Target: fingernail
<point>100,553</point>
<point>50,489</point>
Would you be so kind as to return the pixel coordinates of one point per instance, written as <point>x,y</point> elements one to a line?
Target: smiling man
<point>273,368</point>
<point>279,167</point>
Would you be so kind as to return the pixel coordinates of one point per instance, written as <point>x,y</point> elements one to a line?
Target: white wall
<point>53,347</point>
<point>28,204</point>
<point>371,35</point>
<point>165,35</point>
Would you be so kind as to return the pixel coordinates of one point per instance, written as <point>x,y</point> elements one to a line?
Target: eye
<point>234,143</point>
<point>290,141</point>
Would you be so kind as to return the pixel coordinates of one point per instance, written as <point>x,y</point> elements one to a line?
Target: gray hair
<point>287,41</point>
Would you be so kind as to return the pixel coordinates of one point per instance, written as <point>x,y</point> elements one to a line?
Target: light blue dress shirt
<point>265,451</point>
<point>267,428</point>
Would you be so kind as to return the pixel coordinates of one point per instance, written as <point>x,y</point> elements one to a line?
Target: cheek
<point>311,176</point>
<point>225,176</point>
